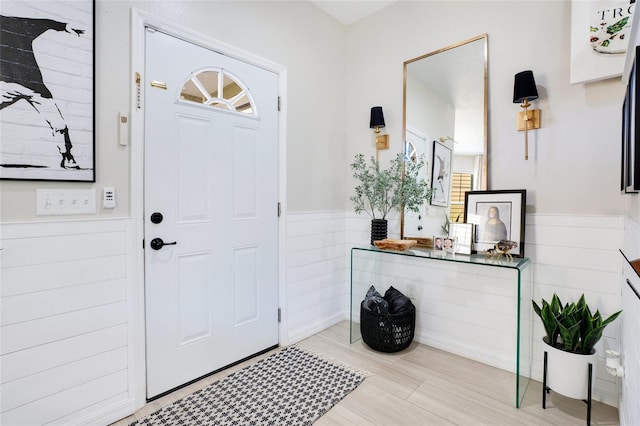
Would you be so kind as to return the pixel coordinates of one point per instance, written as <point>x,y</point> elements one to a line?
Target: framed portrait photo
<point>496,215</point>
<point>48,108</point>
<point>441,175</point>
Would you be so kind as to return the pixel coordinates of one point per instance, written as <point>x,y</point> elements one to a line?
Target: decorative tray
<point>392,244</point>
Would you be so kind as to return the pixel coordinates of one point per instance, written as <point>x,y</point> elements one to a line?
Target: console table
<point>470,305</point>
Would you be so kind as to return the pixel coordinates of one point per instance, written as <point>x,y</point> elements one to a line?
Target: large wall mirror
<point>445,125</point>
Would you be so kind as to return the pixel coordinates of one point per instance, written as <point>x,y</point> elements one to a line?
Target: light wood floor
<point>423,386</point>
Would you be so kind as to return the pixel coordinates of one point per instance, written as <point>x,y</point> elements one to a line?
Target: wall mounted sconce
<point>377,122</point>
<point>524,90</point>
<point>447,138</point>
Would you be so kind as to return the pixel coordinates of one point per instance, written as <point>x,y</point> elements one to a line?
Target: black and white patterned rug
<point>290,387</point>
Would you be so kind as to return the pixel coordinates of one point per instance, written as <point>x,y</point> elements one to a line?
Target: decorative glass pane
<point>218,89</point>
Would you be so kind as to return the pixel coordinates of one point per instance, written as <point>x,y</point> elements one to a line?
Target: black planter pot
<point>378,230</point>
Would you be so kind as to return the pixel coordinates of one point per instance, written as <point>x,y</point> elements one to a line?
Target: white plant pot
<point>568,373</point>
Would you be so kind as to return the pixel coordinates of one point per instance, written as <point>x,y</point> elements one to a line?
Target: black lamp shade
<point>377,118</point>
<point>524,86</point>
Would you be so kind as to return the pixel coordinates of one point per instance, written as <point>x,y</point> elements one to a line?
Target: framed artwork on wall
<point>600,32</point>
<point>496,215</point>
<point>47,115</point>
<point>441,175</point>
<point>630,146</point>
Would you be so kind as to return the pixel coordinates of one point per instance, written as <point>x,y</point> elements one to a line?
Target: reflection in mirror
<point>445,105</point>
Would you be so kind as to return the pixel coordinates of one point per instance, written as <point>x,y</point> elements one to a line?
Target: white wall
<point>630,349</point>
<point>576,149</point>
<point>297,35</point>
<point>317,270</point>
<point>67,353</point>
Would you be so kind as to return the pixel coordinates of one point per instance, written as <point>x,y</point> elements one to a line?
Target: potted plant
<point>571,334</point>
<point>379,191</point>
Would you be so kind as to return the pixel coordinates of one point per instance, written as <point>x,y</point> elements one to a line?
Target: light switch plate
<point>51,202</point>
<point>109,198</point>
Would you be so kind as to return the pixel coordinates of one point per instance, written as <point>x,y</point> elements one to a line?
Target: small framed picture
<point>448,244</point>
<point>496,215</point>
<point>443,244</point>
<point>462,234</point>
<point>438,242</point>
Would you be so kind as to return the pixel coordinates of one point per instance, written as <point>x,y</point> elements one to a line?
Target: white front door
<point>211,187</point>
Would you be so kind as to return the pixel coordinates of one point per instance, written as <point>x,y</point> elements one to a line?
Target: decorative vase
<point>378,230</point>
<point>567,372</point>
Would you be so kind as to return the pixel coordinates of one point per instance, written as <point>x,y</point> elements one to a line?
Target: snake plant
<point>572,327</point>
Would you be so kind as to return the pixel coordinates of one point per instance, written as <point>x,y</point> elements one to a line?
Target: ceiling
<point>350,11</point>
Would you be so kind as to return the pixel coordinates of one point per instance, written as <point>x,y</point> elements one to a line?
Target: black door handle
<point>157,243</point>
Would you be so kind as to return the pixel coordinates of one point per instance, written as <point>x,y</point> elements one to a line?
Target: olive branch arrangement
<point>380,191</point>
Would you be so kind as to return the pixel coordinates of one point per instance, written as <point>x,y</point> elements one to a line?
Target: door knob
<point>157,243</point>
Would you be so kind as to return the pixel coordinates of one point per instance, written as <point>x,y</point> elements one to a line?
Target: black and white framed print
<point>630,165</point>
<point>441,175</point>
<point>47,85</point>
<point>496,215</point>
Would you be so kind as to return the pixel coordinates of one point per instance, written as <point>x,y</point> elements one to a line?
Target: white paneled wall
<point>66,330</point>
<point>573,255</point>
<point>570,255</point>
<point>630,342</point>
<point>630,350</point>
<point>64,353</point>
<point>467,309</point>
<point>317,270</point>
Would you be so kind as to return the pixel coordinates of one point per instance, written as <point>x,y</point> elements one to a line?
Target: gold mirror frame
<point>483,185</point>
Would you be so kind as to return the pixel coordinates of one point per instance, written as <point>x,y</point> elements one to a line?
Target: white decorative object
<point>613,363</point>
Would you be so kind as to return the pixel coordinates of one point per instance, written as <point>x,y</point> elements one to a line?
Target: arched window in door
<point>218,88</point>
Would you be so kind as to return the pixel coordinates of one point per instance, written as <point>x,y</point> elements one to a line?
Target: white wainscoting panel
<point>630,333</point>
<point>466,309</point>
<point>573,255</point>
<point>570,255</point>
<point>63,322</point>
<point>317,270</point>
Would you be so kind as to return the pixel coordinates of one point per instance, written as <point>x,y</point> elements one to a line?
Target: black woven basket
<point>387,332</point>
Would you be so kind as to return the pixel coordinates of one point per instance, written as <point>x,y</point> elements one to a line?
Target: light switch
<point>51,202</point>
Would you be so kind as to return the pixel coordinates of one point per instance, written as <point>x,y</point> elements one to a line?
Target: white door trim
<point>140,20</point>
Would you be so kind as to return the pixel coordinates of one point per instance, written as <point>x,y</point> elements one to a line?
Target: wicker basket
<point>387,332</point>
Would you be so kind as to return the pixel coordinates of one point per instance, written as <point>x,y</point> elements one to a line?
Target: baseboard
<point>109,414</point>
<point>308,330</point>
<point>485,356</point>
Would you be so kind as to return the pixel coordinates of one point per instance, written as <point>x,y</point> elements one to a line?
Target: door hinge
<point>143,244</point>
<point>278,103</point>
<point>138,91</point>
<point>279,208</point>
<point>279,315</point>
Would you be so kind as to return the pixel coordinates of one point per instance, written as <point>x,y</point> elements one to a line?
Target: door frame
<point>136,306</point>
